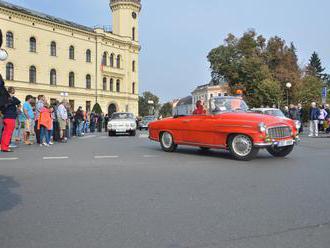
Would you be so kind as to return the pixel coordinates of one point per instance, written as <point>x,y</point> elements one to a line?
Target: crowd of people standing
<point>41,122</point>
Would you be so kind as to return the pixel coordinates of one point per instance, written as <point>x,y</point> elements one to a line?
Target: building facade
<point>205,92</point>
<point>61,59</point>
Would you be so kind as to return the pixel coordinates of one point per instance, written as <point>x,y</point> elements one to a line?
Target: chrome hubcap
<point>167,140</point>
<point>242,145</point>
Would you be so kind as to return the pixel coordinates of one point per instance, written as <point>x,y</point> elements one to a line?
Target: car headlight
<point>262,127</point>
<point>109,125</point>
<point>133,125</point>
<point>298,124</point>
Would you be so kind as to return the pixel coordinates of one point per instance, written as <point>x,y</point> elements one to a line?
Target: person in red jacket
<point>199,110</point>
<point>45,124</point>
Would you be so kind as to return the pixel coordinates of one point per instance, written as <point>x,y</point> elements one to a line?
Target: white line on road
<point>54,158</point>
<point>8,159</point>
<point>150,156</point>
<point>88,137</point>
<point>105,157</point>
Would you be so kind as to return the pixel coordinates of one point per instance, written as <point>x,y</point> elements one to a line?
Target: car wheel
<point>241,147</point>
<point>133,133</point>
<point>280,152</point>
<point>204,149</point>
<point>167,142</point>
<point>110,133</point>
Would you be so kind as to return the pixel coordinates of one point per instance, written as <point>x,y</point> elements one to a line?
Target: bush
<point>97,109</point>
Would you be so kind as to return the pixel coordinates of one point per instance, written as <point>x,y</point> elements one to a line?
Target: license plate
<point>285,143</point>
<point>121,130</point>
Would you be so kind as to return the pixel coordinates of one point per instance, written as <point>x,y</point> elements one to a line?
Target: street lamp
<point>288,87</point>
<point>64,94</point>
<point>151,103</point>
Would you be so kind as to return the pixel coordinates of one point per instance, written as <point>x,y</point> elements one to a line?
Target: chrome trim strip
<point>201,144</point>
<point>224,125</point>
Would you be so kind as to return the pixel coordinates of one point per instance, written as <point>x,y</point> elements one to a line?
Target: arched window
<point>133,33</point>
<point>71,52</point>
<point>52,77</point>
<point>118,61</point>
<point>111,85</point>
<point>112,58</point>
<point>33,74</point>
<point>33,45</point>
<point>71,79</point>
<point>88,56</point>
<point>133,88</point>
<point>10,71</point>
<point>88,81</point>
<point>104,83</point>
<point>53,48</point>
<point>105,59</point>
<point>118,85</point>
<point>133,66</point>
<point>10,40</point>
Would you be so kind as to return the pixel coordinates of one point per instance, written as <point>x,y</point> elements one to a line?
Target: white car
<point>274,112</point>
<point>122,123</point>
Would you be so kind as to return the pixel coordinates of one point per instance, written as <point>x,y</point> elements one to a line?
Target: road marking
<point>150,156</point>
<point>105,157</point>
<point>8,159</point>
<point>54,158</point>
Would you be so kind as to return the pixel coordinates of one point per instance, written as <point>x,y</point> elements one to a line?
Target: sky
<point>177,35</point>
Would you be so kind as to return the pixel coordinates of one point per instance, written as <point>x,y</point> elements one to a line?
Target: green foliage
<point>314,68</point>
<point>144,107</point>
<point>310,90</point>
<point>262,69</point>
<point>97,109</point>
<point>166,110</point>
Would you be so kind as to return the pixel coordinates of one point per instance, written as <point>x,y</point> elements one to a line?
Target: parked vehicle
<point>274,112</point>
<point>229,125</point>
<point>144,123</point>
<point>122,123</point>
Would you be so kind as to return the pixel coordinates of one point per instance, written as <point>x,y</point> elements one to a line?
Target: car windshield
<point>117,116</point>
<point>274,112</point>
<point>227,104</point>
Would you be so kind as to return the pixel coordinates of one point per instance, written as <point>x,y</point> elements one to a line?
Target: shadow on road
<point>8,199</point>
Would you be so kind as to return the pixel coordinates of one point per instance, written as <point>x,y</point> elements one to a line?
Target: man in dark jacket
<point>293,113</point>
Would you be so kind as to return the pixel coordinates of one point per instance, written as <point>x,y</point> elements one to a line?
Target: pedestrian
<point>1,125</point>
<point>100,123</point>
<point>106,120</point>
<point>29,119</point>
<point>39,105</point>
<point>9,119</point>
<point>79,119</point>
<point>293,112</point>
<point>314,114</point>
<point>62,118</point>
<point>286,111</point>
<point>92,122</point>
<point>45,124</point>
<point>18,126</point>
<point>322,118</point>
<point>327,108</point>
<point>301,113</point>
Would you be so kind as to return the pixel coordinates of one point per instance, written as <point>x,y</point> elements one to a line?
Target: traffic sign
<point>324,94</point>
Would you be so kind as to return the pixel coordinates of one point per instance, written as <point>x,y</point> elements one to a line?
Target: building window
<point>88,56</point>
<point>105,59</point>
<point>133,33</point>
<point>118,85</point>
<point>71,79</point>
<point>104,84</point>
<point>71,103</point>
<point>10,40</point>
<point>53,48</point>
<point>33,45</point>
<point>33,74</point>
<point>53,77</point>
<point>71,52</point>
<point>133,88</point>
<point>133,65</point>
<point>88,82</point>
<point>88,106</point>
<point>10,71</point>
<point>111,85</point>
<point>118,61</point>
<point>112,57</point>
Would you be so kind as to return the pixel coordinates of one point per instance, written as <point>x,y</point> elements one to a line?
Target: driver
<point>199,110</point>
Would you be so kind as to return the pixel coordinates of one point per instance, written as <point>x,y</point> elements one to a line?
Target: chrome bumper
<point>296,141</point>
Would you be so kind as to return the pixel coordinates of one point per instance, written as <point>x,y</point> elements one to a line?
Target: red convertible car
<point>229,125</point>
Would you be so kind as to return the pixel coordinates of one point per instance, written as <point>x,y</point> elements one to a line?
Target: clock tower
<point>125,15</point>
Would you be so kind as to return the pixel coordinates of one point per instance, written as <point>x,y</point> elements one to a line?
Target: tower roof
<point>135,2</point>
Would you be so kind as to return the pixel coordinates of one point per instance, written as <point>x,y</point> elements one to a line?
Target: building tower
<point>125,14</point>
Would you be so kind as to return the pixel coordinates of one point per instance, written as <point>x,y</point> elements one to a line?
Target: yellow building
<point>62,59</point>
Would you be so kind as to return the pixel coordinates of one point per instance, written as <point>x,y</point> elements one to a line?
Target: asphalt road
<point>124,192</point>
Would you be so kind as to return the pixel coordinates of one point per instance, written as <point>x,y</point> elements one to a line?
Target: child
<point>45,124</point>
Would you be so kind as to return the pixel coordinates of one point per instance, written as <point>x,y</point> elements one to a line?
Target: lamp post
<point>151,103</point>
<point>288,87</point>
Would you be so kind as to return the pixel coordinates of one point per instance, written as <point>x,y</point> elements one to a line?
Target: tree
<point>314,68</point>
<point>310,90</point>
<point>97,109</point>
<point>166,110</point>
<point>148,104</point>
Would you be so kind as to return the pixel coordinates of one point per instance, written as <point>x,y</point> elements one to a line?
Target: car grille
<point>279,132</point>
